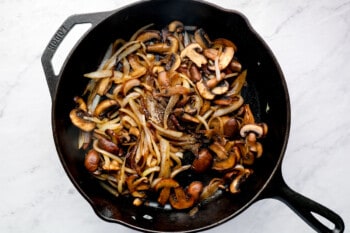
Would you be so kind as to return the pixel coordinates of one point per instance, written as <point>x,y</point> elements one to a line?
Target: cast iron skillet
<point>266,92</point>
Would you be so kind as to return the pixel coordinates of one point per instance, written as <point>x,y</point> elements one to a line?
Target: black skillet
<point>266,92</point>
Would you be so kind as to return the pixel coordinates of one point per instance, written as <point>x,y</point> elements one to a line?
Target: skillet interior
<point>266,93</point>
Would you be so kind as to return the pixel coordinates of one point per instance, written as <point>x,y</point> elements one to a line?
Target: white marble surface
<point>311,40</point>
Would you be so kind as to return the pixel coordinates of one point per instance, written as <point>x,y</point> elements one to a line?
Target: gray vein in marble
<point>15,82</point>
<point>293,15</point>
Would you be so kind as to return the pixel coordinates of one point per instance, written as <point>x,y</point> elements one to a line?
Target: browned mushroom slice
<point>173,62</point>
<point>166,182</point>
<point>192,51</point>
<point>81,103</point>
<point>222,165</point>
<point>176,26</point>
<point>237,181</point>
<point>221,88</point>
<point>170,46</point>
<point>248,158</point>
<point>77,117</point>
<point>149,35</point>
<point>219,150</point>
<point>224,42</point>
<point>104,106</point>
<point>202,38</point>
<point>165,185</point>
<point>260,130</point>
<point>180,200</point>
<point>224,58</point>
<point>204,91</point>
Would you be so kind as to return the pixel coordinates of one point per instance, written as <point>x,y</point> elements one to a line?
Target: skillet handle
<point>46,59</point>
<point>304,207</point>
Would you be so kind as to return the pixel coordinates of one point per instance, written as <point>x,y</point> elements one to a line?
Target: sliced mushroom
<point>202,38</point>
<point>235,186</point>
<point>149,35</point>
<point>221,88</point>
<point>219,150</point>
<point>81,103</point>
<point>165,185</point>
<point>104,106</point>
<point>170,46</point>
<point>224,58</point>
<point>248,158</point>
<point>204,91</point>
<point>257,149</point>
<point>222,165</point>
<point>176,26</point>
<point>224,42</point>
<point>180,200</point>
<point>259,129</point>
<point>192,51</point>
<point>77,118</point>
<point>173,62</point>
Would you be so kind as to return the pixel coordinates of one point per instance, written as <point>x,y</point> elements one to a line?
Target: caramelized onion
<point>164,103</point>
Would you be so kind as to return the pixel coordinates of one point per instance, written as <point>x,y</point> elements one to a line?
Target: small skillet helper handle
<point>46,59</point>
<point>303,206</point>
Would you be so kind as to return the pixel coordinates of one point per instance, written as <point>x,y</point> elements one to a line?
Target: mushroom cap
<point>92,160</point>
<point>259,129</point>
<point>192,52</point>
<point>76,115</point>
<point>203,161</point>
